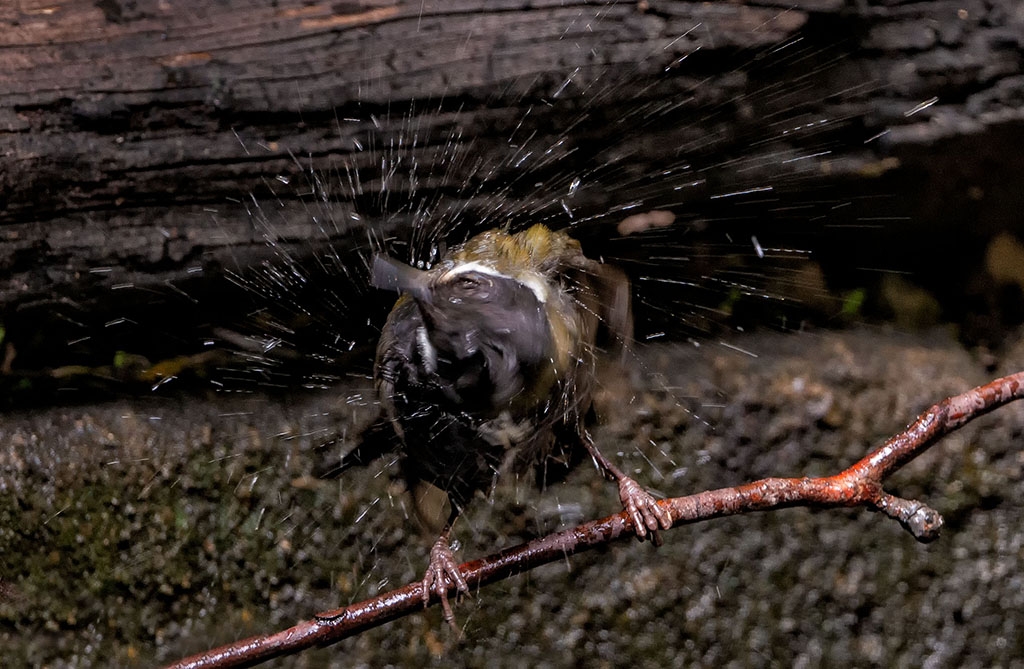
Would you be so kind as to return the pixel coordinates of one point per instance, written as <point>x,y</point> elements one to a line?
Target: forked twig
<point>858,485</point>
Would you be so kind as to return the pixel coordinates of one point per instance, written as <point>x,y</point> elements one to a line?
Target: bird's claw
<point>643,510</point>
<point>442,573</point>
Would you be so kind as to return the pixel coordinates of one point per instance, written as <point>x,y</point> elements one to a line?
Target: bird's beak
<point>390,274</point>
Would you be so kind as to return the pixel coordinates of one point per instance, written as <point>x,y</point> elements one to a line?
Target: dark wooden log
<point>147,146</point>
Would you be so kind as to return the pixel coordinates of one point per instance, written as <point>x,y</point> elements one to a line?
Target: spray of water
<point>714,231</point>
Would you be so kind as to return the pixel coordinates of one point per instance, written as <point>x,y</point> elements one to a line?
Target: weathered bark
<point>139,138</point>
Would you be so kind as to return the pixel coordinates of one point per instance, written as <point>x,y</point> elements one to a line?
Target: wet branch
<point>858,485</point>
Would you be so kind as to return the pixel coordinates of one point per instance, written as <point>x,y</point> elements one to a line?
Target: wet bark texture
<point>139,138</point>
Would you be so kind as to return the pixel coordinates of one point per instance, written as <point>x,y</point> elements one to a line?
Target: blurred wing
<point>614,304</point>
<point>605,291</point>
<point>396,364</point>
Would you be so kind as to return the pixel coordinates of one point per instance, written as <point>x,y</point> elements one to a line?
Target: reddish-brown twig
<point>859,485</point>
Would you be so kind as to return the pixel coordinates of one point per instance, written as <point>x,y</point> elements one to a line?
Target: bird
<point>486,364</point>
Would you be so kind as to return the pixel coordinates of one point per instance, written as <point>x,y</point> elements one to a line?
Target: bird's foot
<point>443,573</point>
<point>643,510</point>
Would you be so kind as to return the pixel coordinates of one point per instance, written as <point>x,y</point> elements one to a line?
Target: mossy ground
<point>134,533</point>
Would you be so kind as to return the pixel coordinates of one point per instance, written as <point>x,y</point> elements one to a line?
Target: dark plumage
<point>486,363</point>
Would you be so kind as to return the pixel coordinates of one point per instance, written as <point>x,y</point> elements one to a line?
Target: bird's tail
<point>377,440</point>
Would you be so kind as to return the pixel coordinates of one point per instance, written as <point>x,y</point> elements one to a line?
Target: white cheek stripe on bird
<point>535,284</point>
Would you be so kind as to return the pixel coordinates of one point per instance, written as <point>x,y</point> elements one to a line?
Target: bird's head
<point>468,306</point>
<point>485,332</point>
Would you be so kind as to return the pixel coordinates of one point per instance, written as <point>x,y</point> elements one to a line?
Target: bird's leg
<point>641,507</point>
<point>443,571</point>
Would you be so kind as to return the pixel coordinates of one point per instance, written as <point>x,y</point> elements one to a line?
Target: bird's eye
<point>468,282</point>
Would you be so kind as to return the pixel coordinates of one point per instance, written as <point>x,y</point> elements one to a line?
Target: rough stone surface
<point>138,532</point>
